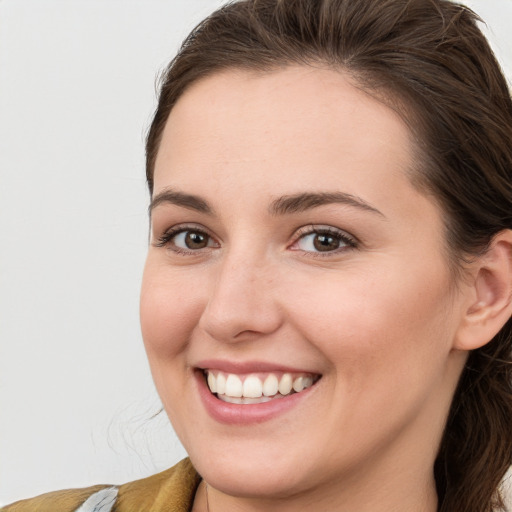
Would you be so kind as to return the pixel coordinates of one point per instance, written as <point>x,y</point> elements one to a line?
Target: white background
<point>76,96</point>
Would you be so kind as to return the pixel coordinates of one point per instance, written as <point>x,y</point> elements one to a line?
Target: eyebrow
<point>284,205</point>
<point>306,201</point>
<point>188,201</point>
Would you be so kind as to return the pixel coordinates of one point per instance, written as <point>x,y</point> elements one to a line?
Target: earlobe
<point>490,304</point>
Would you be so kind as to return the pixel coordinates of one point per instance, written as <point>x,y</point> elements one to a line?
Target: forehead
<point>295,101</point>
<point>299,125</point>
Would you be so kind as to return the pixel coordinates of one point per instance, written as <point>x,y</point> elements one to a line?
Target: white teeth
<point>245,400</point>
<point>221,384</point>
<point>285,384</point>
<point>298,384</point>
<point>249,390</point>
<point>212,383</point>
<point>271,385</point>
<point>233,386</point>
<point>252,387</point>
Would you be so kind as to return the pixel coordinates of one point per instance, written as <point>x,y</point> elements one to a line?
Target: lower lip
<point>244,414</point>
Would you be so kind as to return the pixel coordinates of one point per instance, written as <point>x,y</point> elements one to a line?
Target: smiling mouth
<point>257,388</point>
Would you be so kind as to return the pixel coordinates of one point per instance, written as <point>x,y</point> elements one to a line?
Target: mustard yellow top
<point>172,490</point>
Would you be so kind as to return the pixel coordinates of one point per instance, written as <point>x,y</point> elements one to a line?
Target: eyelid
<point>166,237</point>
<point>350,240</point>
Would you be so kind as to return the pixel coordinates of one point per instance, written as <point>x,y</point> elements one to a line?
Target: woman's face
<point>288,247</point>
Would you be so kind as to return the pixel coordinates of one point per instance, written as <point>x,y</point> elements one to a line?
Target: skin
<point>378,318</point>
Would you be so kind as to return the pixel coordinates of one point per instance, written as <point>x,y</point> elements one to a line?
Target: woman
<point>326,301</point>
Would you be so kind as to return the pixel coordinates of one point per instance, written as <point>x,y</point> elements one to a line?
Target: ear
<point>489,304</point>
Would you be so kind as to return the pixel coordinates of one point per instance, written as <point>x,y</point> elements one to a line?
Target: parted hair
<point>428,60</point>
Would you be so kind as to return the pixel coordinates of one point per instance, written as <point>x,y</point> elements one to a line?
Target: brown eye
<point>186,240</point>
<point>323,242</point>
<point>195,240</point>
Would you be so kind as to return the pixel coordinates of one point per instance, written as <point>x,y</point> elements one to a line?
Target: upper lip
<point>244,367</point>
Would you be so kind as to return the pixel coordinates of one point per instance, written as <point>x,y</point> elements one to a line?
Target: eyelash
<point>349,241</point>
<point>342,237</point>
<point>167,237</point>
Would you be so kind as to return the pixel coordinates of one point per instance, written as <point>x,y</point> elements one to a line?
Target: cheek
<point>376,322</point>
<point>167,315</point>
<point>168,319</point>
<point>387,342</point>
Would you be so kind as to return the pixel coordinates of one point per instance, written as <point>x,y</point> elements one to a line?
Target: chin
<point>242,476</point>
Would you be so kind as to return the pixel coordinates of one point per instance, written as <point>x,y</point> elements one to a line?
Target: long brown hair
<point>428,60</point>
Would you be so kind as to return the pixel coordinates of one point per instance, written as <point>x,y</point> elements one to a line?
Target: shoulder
<point>173,489</point>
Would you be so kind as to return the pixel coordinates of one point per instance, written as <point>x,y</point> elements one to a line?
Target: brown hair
<point>429,60</point>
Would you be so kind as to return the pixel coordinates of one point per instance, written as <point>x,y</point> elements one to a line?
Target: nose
<point>242,302</point>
